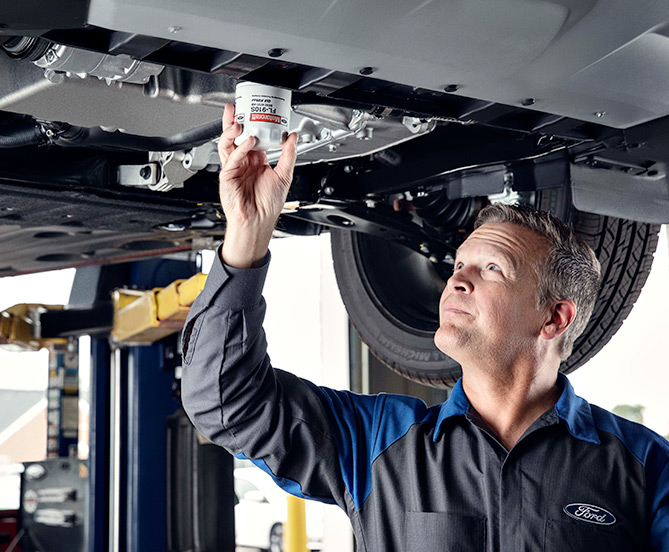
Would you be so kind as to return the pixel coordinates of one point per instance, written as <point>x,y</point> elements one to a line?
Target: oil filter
<point>264,112</point>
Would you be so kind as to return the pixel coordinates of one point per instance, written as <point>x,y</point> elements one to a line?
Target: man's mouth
<point>453,309</point>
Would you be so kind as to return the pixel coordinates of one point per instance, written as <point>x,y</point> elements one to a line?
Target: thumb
<point>236,157</point>
<point>284,168</point>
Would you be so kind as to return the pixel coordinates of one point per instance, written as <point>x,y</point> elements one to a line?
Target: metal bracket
<point>173,173</point>
<point>169,169</point>
<point>144,176</point>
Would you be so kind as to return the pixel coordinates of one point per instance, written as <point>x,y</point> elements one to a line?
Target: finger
<point>226,143</point>
<point>284,168</point>
<point>239,154</point>
<point>228,115</point>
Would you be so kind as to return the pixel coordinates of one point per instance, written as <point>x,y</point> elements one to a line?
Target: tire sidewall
<point>409,352</point>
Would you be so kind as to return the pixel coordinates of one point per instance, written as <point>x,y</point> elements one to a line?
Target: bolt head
<point>600,114</point>
<point>451,88</point>
<point>367,71</point>
<point>172,227</point>
<point>56,77</point>
<point>332,148</point>
<point>276,52</point>
<point>328,190</point>
<point>528,101</point>
<point>174,29</point>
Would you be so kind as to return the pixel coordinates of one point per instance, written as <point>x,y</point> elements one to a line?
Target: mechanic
<point>514,460</point>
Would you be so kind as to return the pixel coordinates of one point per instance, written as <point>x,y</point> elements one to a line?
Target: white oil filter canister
<point>264,112</point>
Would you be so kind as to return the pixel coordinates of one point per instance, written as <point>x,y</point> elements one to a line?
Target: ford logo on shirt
<point>590,513</point>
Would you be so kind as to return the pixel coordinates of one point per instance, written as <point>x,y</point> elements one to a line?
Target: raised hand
<point>252,193</point>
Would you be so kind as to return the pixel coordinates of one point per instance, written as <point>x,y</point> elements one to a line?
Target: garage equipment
<point>53,505</point>
<point>147,478</point>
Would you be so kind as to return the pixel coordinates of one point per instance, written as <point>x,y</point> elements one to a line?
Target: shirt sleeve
<point>659,531</point>
<point>314,441</point>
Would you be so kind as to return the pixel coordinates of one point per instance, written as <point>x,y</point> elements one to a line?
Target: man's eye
<point>458,266</point>
<point>493,266</point>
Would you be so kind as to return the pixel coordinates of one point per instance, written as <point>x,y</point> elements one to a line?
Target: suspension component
<point>59,61</point>
<point>445,214</point>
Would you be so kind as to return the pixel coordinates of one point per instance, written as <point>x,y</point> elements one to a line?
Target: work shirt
<point>416,478</point>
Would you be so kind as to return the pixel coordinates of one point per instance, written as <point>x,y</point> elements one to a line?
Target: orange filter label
<point>266,118</point>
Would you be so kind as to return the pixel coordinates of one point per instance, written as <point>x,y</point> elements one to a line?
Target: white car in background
<point>261,511</point>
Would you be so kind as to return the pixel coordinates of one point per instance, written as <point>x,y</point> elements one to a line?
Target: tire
<point>391,293</point>
<point>276,538</point>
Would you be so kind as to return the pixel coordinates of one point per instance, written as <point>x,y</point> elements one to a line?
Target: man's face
<point>489,306</point>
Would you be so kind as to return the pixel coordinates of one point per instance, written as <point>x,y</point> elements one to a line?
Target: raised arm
<point>232,394</point>
<point>252,193</point>
<point>315,442</point>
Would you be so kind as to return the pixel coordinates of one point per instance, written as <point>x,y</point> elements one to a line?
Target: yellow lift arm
<point>142,317</point>
<point>19,327</point>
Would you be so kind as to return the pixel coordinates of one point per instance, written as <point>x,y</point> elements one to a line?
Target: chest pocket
<point>579,536</point>
<point>431,531</point>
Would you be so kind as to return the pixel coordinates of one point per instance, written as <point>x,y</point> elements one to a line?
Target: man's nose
<point>460,281</point>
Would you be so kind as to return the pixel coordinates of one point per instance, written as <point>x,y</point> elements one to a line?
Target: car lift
<point>150,483</point>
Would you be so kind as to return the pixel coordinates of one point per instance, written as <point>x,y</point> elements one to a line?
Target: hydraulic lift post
<point>149,482</point>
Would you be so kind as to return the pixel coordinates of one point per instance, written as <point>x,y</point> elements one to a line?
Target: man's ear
<point>562,315</point>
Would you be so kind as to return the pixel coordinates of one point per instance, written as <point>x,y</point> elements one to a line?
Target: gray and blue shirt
<point>415,478</point>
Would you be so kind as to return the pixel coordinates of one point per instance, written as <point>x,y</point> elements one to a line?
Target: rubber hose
<point>81,136</point>
<point>22,137</point>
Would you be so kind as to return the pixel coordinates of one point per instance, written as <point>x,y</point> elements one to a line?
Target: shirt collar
<point>574,411</point>
<point>456,405</point>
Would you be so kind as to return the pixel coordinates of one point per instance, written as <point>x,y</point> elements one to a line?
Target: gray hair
<point>570,271</point>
